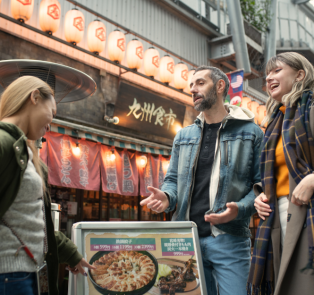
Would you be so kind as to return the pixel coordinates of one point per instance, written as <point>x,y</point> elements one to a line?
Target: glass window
<point>302,34</point>
<point>91,206</point>
<point>284,29</point>
<point>294,30</point>
<point>283,10</point>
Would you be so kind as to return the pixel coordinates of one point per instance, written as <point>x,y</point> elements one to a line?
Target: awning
<point>108,138</point>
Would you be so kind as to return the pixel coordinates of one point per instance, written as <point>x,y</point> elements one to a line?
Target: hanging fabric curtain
<point>73,163</point>
<point>119,172</point>
<point>153,173</point>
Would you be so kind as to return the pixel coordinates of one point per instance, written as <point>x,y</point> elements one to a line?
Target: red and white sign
<point>119,171</point>
<point>101,34</point>
<point>71,165</point>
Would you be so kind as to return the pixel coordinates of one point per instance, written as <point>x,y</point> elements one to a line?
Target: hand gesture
<point>303,191</point>
<point>79,267</point>
<point>261,207</point>
<point>230,214</point>
<point>157,201</point>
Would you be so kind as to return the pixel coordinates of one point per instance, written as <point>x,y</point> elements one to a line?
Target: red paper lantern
<point>96,36</point>
<point>22,10</point>
<point>261,114</point>
<point>166,69</point>
<point>134,54</point>
<point>74,24</point>
<point>116,46</point>
<point>252,106</point>
<point>151,62</point>
<point>244,102</point>
<point>49,15</point>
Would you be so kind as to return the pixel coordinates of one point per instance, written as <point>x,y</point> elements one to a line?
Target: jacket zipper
<point>194,171</point>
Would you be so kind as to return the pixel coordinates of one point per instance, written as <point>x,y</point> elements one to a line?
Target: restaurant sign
<point>147,112</point>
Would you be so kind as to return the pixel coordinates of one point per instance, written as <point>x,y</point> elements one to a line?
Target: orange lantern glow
<point>151,62</point>
<point>49,16</point>
<point>180,75</point>
<point>141,161</point>
<point>134,54</point>
<point>116,46</point>
<point>166,69</point>
<point>244,102</point>
<point>96,36</point>
<point>252,106</point>
<point>74,24</point>
<point>22,10</point>
<point>190,75</point>
<point>261,114</point>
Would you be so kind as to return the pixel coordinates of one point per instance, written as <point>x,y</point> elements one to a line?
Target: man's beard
<point>207,101</point>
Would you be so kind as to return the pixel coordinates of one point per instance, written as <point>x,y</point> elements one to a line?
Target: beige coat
<point>295,253</point>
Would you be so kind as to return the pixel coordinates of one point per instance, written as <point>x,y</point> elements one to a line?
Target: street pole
<point>271,35</point>
<point>238,36</point>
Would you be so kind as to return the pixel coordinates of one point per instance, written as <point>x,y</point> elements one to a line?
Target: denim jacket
<point>235,169</point>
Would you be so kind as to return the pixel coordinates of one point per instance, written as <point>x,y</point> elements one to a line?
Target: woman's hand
<point>261,207</point>
<point>303,191</point>
<point>79,267</point>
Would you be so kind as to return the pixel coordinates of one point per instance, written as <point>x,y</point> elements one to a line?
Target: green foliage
<point>257,13</point>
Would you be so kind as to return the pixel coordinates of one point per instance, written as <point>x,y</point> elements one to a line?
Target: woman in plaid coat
<point>283,258</point>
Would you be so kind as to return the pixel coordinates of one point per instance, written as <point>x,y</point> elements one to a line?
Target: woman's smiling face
<point>280,80</point>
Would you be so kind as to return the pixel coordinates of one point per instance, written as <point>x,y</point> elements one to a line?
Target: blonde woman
<point>283,258</point>
<point>27,107</point>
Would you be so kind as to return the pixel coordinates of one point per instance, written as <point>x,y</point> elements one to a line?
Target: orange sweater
<point>281,169</point>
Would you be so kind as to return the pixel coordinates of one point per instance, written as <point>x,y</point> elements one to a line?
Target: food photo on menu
<point>145,264</point>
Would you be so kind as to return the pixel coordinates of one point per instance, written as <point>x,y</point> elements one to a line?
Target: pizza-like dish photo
<point>123,271</point>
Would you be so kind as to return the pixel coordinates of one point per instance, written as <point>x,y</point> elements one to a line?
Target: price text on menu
<point>113,244</point>
<point>177,247</point>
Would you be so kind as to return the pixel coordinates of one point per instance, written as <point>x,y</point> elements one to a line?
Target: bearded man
<point>214,164</point>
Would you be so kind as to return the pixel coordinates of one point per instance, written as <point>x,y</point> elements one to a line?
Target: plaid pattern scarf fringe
<point>299,154</point>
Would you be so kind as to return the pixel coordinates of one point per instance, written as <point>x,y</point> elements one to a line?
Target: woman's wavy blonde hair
<point>13,100</point>
<point>297,62</point>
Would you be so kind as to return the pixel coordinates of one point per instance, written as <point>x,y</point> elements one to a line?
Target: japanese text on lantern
<point>128,185</point>
<point>83,172</point>
<point>65,162</point>
<point>148,111</point>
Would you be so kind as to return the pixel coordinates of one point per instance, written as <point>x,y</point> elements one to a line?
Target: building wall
<point>90,111</point>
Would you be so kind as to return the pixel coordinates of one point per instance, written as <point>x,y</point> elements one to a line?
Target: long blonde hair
<point>14,98</point>
<point>297,62</point>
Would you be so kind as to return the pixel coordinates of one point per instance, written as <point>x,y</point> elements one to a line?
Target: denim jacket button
<point>6,280</point>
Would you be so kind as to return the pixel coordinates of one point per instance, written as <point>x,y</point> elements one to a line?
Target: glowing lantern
<point>190,75</point>
<point>180,75</point>
<point>142,161</point>
<point>74,26</point>
<point>116,46</point>
<point>151,62</point>
<point>261,114</point>
<point>49,15</point>
<point>76,150</point>
<point>96,36</point>
<point>244,102</point>
<point>252,106</point>
<point>22,10</point>
<point>166,69</point>
<point>134,54</point>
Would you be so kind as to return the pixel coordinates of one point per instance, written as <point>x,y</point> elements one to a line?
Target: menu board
<point>142,261</point>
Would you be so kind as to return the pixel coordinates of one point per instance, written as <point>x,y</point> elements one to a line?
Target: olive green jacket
<point>13,162</point>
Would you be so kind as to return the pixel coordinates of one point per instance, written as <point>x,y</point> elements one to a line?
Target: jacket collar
<point>13,130</point>
<point>234,113</point>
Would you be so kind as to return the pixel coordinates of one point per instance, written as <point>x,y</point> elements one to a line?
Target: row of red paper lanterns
<point>49,21</point>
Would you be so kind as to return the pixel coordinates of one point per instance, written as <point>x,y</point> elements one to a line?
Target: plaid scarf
<point>299,155</point>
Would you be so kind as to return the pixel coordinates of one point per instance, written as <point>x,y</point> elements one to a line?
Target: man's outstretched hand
<point>230,214</point>
<point>157,201</point>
